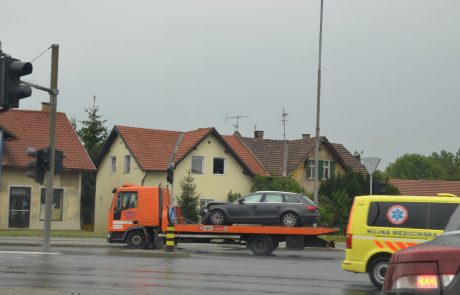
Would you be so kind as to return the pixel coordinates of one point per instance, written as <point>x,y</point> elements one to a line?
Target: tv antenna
<point>284,120</point>
<point>237,117</point>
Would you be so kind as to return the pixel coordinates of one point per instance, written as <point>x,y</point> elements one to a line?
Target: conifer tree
<point>189,199</point>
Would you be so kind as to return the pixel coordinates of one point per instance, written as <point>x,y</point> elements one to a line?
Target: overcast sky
<point>390,68</point>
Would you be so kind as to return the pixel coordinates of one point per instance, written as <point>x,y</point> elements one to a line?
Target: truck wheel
<point>136,240</point>
<point>289,219</point>
<point>262,245</point>
<point>377,270</point>
<point>217,217</point>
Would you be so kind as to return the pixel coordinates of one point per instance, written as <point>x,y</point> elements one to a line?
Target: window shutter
<point>320,170</point>
<point>307,167</point>
<point>332,168</point>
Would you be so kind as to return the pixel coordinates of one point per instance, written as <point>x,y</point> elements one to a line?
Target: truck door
<point>126,209</point>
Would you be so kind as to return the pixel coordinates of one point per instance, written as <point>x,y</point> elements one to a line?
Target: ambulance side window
<point>440,214</point>
<point>398,214</point>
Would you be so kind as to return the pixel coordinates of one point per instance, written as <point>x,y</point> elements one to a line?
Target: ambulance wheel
<point>377,269</point>
<point>261,245</point>
<point>136,240</point>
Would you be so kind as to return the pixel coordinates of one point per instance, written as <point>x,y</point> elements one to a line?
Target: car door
<point>268,211</point>
<point>242,211</point>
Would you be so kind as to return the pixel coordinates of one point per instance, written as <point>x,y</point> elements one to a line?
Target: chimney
<point>306,135</point>
<point>259,134</point>
<point>45,107</point>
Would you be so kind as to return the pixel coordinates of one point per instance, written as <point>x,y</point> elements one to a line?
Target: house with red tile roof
<point>296,158</point>
<point>425,187</point>
<point>21,199</point>
<point>141,156</point>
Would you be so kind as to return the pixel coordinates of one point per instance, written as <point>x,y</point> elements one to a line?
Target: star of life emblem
<point>397,214</point>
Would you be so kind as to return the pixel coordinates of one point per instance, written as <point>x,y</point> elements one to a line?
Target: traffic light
<point>58,162</point>
<point>11,87</point>
<point>170,174</point>
<point>43,158</point>
<point>35,168</point>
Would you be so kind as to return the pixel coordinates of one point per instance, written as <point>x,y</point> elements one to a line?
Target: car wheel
<point>217,217</point>
<point>261,245</point>
<point>289,219</point>
<point>377,270</point>
<point>136,240</point>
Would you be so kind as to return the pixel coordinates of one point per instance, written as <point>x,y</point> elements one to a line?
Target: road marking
<point>32,253</point>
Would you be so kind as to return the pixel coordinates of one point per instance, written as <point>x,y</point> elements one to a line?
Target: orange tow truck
<point>139,216</point>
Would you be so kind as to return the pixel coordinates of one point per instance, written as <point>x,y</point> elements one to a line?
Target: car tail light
<point>419,282</point>
<point>311,208</point>
<point>349,239</point>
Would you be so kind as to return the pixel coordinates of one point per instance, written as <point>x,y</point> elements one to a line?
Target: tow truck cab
<point>136,209</point>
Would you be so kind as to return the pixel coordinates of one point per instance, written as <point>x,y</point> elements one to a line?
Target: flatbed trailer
<point>140,227</point>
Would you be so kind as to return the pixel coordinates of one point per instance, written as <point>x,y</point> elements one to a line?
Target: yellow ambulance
<point>379,225</point>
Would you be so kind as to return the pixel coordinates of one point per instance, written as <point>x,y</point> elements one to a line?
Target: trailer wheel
<point>217,217</point>
<point>289,219</point>
<point>262,245</point>
<point>136,240</point>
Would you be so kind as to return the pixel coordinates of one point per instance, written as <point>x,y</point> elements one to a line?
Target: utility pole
<point>52,144</point>
<point>318,95</point>
<point>285,148</point>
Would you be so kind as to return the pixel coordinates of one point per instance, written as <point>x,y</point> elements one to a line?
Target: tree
<point>93,135</point>
<point>276,183</point>
<point>189,199</point>
<point>337,193</point>
<point>448,163</point>
<point>414,166</point>
<point>231,196</point>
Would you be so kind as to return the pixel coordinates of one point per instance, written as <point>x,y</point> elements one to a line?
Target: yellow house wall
<point>300,172</point>
<point>209,186</point>
<point>70,182</point>
<point>107,180</point>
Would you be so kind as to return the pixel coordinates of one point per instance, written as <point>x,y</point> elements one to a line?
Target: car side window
<point>255,198</point>
<point>398,214</point>
<point>290,199</point>
<point>273,198</point>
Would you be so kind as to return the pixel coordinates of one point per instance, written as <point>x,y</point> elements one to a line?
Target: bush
<point>276,183</point>
<point>231,197</point>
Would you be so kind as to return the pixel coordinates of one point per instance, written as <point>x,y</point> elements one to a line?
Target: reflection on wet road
<point>224,272</point>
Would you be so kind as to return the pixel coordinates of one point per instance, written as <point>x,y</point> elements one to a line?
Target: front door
<point>19,207</point>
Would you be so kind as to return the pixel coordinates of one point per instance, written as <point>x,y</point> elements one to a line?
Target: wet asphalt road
<point>208,269</point>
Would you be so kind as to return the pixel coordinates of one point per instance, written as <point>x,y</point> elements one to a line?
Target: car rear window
<point>290,199</point>
<point>309,201</point>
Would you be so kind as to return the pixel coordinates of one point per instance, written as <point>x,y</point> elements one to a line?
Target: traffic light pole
<point>52,145</point>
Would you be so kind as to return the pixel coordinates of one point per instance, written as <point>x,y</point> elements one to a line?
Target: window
<point>113,164</point>
<point>311,169</point>
<point>252,198</point>
<point>440,214</point>
<point>56,205</point>
<point>19,214</point>
<point>273,198</point>
<point>218,166</point>
<point>402,215</point>
<point>197,164</point>
<point>326,169</point>
<point>290,199</point>
<point>126,200</point>
<point>127,167</point>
